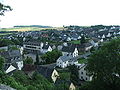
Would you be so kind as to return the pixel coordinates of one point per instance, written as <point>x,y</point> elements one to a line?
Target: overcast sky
<point>61,12</point>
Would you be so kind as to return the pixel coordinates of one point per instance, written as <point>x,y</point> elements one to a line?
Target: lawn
<point>75,42</point>
<point>82,60</point>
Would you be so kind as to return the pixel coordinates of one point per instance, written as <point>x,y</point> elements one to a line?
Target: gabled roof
<point>68,58</point>
<point>10,68</point>
<point>8,55</point>
<point>69,48</point>
<point>45,71</point>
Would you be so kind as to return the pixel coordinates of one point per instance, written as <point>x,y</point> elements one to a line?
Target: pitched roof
<point>45,71</point>
<point>69,48</point>
<point>68,58</point>
<point>8,55</point>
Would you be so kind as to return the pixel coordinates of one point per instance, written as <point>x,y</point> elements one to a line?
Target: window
<point>82,77</point>
<point>86,78</point>
<point>81,72</point>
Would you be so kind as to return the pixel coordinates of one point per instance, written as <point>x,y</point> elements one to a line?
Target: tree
<point>21,77</point>
<point>30,87</point>
<point>41,83</point>
<point>4,8</point>
<point>37,59</point>
<point>2,60</point>
<point>51,57</point>
<point>5,42</point>
<point>74,75</point>
<point>28,60</point>
<point>82,39</point>
<point>104,66</point>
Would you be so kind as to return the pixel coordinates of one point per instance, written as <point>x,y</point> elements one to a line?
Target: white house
<point>68,39</point>
<point>65,61</point>
<point>32,46</point>
<point>94,43</point>
<point>46,48</point>
<point>83,74</point>
<point>103,36</point>
<point>70,50</point>
<point>108,35</point>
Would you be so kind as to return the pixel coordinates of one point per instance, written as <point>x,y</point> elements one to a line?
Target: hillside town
<point>57,55</point>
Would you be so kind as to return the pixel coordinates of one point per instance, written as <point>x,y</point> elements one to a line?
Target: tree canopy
<point>74,75</point>
<point>51,57</point>
<point>2,60</point>
<point>104,66</point>
<point>28,60</point>
<point>4,8</point>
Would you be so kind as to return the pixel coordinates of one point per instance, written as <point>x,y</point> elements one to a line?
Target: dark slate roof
<point>14,53</point>
<point>68,58</point>
<point>8,55</point>
<point>88,44</point>
<point>70,48</point>
<point>95,39</point>
<point>45,71</point>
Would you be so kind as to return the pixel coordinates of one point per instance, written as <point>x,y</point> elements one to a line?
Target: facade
<point>46,48</point>
<point>36,47</point>
<point>32,46</point>
<point>72,87</point>
<point>71,51</point>
<point>65,61</point>
<point>83,74</point>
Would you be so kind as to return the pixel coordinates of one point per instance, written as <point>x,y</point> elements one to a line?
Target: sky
<point>57,13</point>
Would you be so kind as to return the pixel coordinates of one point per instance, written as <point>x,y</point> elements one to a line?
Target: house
<point>32,46</point>
<point>13,60</point>
<point>68,39</point>
<point>83,74</point>
<point>94,42</point>
<point>46,48</point>
<point>88,46</point>
<point>103,36</point>
<point>48,71</point>
<point>65,61</point>
<point>70,50</point>
<point>72,87</point>
<point>9,68</point>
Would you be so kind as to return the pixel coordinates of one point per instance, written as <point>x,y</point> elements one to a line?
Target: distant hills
<point>39,26</point>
